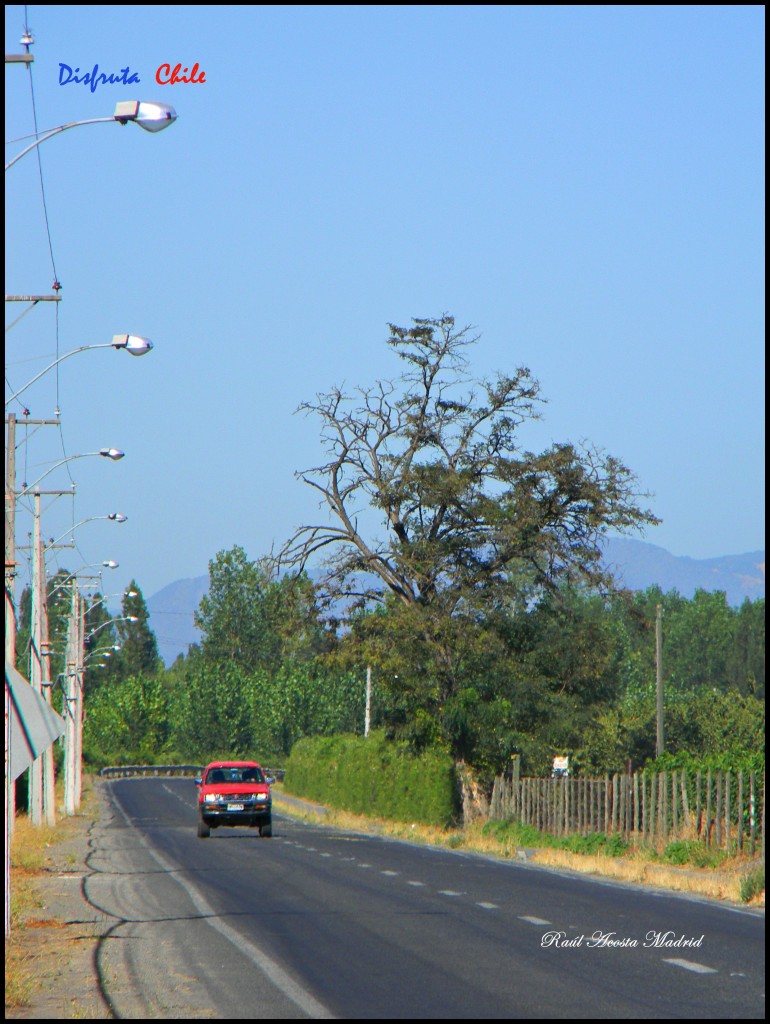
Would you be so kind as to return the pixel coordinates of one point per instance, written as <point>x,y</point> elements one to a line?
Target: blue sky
<point>584,184</point>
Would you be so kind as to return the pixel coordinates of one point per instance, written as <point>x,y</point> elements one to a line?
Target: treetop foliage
<point>465,508</point>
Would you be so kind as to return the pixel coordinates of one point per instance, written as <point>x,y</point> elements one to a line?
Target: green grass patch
<point>509,834</point>
<point>753,883</point>
<point>691,851</point>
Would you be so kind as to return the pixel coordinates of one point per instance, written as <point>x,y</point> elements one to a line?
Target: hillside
<point>637,565</point>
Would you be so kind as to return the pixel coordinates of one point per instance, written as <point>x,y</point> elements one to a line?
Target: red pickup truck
<point>234,793</point>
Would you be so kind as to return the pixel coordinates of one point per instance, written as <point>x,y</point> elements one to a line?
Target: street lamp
<point>132,343</point>
<point>108,597</point>
<point>106,651</point>
<point>110,564</point>
<point>107,453</point>
<point>109,622</point>
<point>116,517</point>
<point>153,117</point>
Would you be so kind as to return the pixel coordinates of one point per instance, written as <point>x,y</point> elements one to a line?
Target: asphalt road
<point>318,922</point>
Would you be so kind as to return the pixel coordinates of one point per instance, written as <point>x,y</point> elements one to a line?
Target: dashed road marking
<point>415,883</point>
<point>533,920</point>
<point>390,873</point>
<point>488,906</point>
<point>690,965</point>
<point>449,892</point>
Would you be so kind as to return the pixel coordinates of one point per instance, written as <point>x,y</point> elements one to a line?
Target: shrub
<point>753,883</point>
<point>374,776</point>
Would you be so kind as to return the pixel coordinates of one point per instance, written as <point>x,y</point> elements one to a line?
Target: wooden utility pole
<point>79,695</point>
<point>36,660</point>
<point>660,745</point>
<point>49,777</point>
<point>10,547</point>
<point>70,699</point>
<point>368,713</point>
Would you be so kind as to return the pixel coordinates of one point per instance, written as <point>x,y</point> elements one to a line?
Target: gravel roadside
<point>55,938</point>
<point>55,943</point>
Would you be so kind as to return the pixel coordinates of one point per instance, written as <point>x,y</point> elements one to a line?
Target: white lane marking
<point>282,981</point>
<point>449,892</point>
<point>363,865</point>
<point>181,799</point>
<point>326,855</point>
<point>690,965</point>
<point>415,883</point>
<point>533,920</point>
<point>390,873</point>
<point>488,906</point>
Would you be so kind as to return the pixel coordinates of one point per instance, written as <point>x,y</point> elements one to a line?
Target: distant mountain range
<point>636,565</point>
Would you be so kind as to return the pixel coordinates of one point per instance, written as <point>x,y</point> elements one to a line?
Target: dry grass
<point>723,883</point>
<point>39,944</point>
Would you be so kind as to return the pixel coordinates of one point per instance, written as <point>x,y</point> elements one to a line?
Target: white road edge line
<point>690,965</point>
<point>290,988</point>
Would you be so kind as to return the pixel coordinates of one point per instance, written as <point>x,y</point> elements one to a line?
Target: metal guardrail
<point>127,771</point>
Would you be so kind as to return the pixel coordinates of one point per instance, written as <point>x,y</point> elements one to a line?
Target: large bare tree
<point>465,511</point>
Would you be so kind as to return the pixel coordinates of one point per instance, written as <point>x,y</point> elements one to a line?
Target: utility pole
<point>368,713</point>
<point>80,693</point>
<point>10,574</point>
<point>70,700</point>
<point>36,661</point>
<point>660,744</point>
<point>49,778</point>
<point>10,527</point>
<point>10,542</point>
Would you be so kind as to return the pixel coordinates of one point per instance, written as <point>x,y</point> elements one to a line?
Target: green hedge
<point>374,776</point>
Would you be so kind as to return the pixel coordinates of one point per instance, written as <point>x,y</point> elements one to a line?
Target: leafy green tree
<point>469,519</point>
<point>138,654</point>
<point>704,724</point>
<point>211,710</point>
<point>128,722</point>
<point>746,663</point>
<point>255,619</point>
<point>231,615</point>
<point>698,642</point>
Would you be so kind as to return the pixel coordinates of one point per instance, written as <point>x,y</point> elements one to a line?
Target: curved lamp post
<point>153,117</point>
<point>106,651</point>
<point>108,597</point>
<point>109,622</point>
<point>135,344</point>
<point>110,564</point>
<point>116,517</point>
<point>108,453</point>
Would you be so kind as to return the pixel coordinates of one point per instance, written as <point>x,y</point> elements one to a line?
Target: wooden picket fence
<point>723,809</point>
